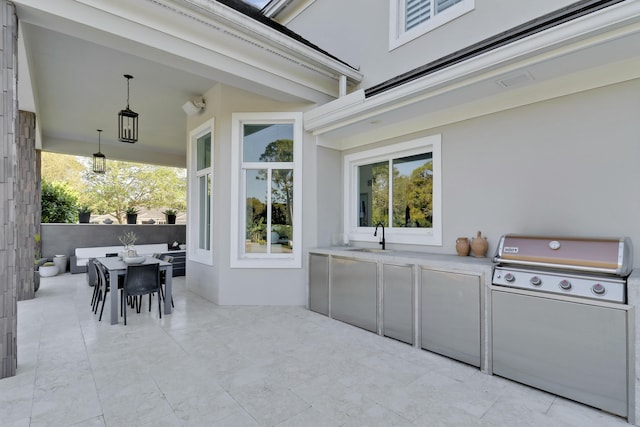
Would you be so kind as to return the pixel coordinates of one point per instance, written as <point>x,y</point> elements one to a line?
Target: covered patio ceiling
<point>73,55</point>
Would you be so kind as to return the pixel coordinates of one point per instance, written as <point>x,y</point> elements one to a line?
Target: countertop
<point>444,261</point>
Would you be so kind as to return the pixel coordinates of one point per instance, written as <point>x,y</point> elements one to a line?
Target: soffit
<point>596,50</point>
<point>76,52</point>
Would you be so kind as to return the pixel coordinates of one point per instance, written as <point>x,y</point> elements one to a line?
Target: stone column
<point>8,164</point>
<point>27,203</point>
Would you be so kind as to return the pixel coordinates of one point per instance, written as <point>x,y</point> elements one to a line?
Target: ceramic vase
<point>479,245</point>
<point>462,246</point>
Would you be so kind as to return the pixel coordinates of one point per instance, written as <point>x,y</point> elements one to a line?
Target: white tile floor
<point>206,365</point>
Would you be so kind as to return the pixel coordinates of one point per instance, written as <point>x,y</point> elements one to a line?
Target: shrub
<point>59,203</point>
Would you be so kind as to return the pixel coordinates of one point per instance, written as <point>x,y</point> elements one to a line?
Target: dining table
<point>117,267</point>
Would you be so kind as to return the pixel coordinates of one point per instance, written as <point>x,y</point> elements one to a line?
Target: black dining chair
<point>141,280</point>
<point>163,277</point>
<point>104,289</point>
<point>94,280</point>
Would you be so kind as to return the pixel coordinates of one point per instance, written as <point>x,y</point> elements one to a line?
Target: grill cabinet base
<point>573,349</point>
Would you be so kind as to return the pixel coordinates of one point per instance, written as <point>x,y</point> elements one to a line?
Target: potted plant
<point>171,215</point>
<point>84,214</point>
<point>48,269</point>
<point>128,239</point>
<point>132,215</point>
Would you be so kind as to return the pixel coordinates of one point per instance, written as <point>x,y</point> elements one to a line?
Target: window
<point>266,190</point>
<point>200,194</point>
<point>410,19</point>
<point>397,186</point>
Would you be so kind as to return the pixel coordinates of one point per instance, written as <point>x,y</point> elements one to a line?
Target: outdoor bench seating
<point>78,262</point>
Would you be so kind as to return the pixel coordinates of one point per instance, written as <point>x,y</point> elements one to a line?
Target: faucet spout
<point>375,233</point>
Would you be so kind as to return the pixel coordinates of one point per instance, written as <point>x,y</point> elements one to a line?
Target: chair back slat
<point>142,279</point>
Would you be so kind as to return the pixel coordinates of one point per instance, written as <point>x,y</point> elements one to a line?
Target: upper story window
<point>410,19</point>
<point>200,193</point>
<point>266,190</point>
<point>397,186</point>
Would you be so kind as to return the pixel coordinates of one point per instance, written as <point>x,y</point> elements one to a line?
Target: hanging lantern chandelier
<point>128,120</point>
<point>99,159</point>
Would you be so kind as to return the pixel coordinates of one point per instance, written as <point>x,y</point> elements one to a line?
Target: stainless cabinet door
<point>319,283</point>
<point>397,302</point>
<point>354,292</point>
<point>450,315</point>
<point>574,350</point>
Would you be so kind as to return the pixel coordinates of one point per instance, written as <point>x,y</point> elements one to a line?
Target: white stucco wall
<point>357,31</point>
<point>568,166</point>
<point>236,286</point>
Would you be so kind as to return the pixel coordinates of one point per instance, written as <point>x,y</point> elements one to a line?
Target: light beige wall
<point>568,166</point>
<point>357,32</point>
<point>219,282</point>
<point>562,167</point>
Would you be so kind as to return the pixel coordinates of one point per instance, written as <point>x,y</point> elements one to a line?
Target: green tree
<point>280,150</point>
<point>63,168</point>
<point>59,203</point>
<point>380,194</point>
<point>134,185</point>
<point>415,193</point>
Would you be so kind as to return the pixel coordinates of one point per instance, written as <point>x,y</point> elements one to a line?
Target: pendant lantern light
<point>128,120</point>
<point>99,159</point>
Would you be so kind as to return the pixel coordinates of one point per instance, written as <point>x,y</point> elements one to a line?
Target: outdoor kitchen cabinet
<point>319,283</point>
<point>398,302</point>
<point>570,347</point>
<point>450,315</point>
<point>354,292</point>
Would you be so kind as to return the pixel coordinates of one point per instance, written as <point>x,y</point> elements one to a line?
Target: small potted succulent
<point>171,215</point>
<point>84,214</point>
<point>132,215</point>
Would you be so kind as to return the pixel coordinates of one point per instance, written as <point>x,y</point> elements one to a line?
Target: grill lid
<point>597,255</point>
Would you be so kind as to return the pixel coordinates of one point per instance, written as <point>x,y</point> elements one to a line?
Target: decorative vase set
<point>478,246</point>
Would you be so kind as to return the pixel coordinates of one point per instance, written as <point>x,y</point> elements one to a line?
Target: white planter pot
<point>48,270</point>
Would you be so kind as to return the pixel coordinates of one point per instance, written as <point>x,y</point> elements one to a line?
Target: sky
<point>257,3</point>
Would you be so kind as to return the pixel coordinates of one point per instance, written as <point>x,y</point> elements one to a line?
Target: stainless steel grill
<point>559,321</point>
<point>581,267</point>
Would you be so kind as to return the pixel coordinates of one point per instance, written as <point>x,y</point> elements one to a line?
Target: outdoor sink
<point>371,250</point>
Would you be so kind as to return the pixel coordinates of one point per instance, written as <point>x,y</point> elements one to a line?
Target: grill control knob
<point>535,281</point>
<point>509,277</point>
<point>598,289</point>
<point>565,284</point>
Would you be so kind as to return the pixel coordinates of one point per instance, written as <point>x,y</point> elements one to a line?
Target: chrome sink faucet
<point>375,233</point>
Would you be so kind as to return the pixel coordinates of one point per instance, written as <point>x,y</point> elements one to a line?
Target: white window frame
<point>194,252</point>
<point>238,258</point>
<point>413,236</point>
<point>397,18</point>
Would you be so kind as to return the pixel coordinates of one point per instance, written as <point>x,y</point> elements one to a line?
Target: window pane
<point>373,186</point>
<point>256,216</point>
<point>417,11</point>
<point>268,143</point>
<point>204,151</point>
<point>413,191</point>
<point>281,210</point>
<point>445,4</point>
<point>204,217</point>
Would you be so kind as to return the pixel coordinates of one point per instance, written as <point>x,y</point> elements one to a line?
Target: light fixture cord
<point>128,77</point>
